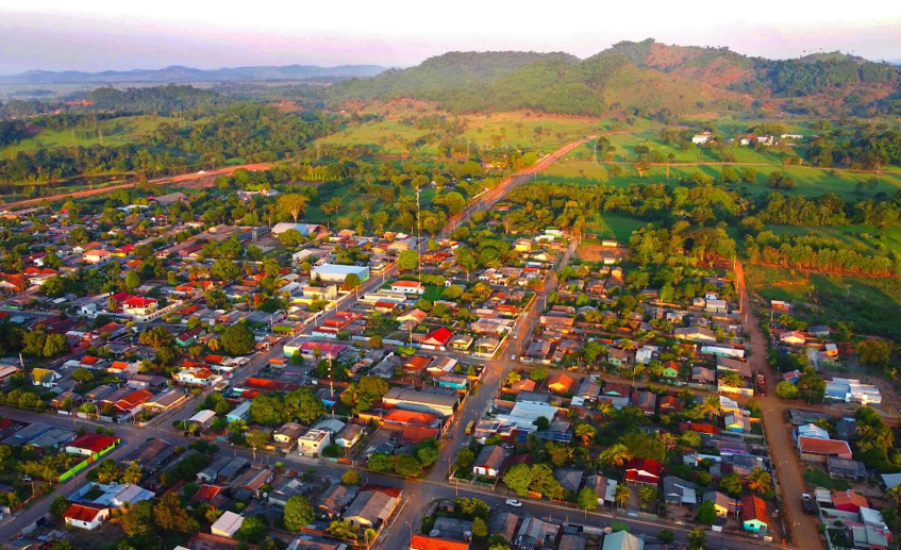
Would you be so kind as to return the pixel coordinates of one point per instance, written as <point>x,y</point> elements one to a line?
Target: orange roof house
<point>422,542</point>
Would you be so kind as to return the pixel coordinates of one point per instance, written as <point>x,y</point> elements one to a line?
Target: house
<point>737,422</point>
<point>139,306</point>
<point>349,435</point>
<point>670,370</point>
<point>753,514</point>
<point>372,507</point>
<point>841,468</point>
<point>290,488</point>
<point>45,378</point>
<point>241,412</point>
<point>569,478</point>
<point>287,434</point>
<point>112,495</point>
<point>559,383</point>
<point>814,449</point>
<point>313,442</point>
<point>85,517</point>
<point>227,524</point>
<point>408,287</point>
<point>850,390</point>
<point>670,404</point>
<point>440,404</point>
<point>678,491</point>
<point>702,375</point>
<point>722,503</point>
<point>536,533</point>
<point>644,470</point>
<point>792,338</point>
<point>452,529</point>
<point>438,338</point>
<point>849,501</point>
<point>620,357</point>
<point>645,400</point>
<point>96,257</point>
<point>335,499</point>
<point>503,524</point>
<point>93,445</point>
<point>489,461</point>
<point>422,542</point>
<point>622,540</point>
<point>202,418</point>
<point>195,377</point>
<point>332,273</point>
<point>695,334</point>
<point>604,487</point>
<point>188,338</point>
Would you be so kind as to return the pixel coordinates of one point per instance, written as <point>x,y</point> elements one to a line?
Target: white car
<point>513,502</point>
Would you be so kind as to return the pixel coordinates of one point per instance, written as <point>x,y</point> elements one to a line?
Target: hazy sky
<point>125,34</point>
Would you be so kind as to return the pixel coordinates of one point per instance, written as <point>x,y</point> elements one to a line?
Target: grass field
<point>872,305</point>
<point>818,478</point>
<point>608,226</point>
<point>887,240</point>
<point>115,132</point>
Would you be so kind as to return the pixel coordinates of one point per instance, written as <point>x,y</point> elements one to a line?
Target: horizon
<point>99,35</point>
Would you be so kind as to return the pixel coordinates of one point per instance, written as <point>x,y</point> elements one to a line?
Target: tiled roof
<point>753,508</point>
<point>421,542</point>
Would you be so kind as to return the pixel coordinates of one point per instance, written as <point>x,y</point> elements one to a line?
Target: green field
<point>609,226</point>
<point>873,305</point>
<point>118,131</point>
<point>876,239</point>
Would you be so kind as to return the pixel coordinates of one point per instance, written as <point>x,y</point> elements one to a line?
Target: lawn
<point>608,226</point>
<point>872,305</point>
<point>116,131</point>
<point>433,292</point>
<point>818,478</point>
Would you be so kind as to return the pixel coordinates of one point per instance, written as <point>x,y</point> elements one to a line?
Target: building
<point>420,401</point>
<point>85,517</point>
<point>333,273</point>
<point>227,524</point>
<point>112,495</point>
<point>372,507</point>
<point>849,501</point>
<point>753,514</point>
<point>722,503</point>
<point>814,449</point>
<point>622,540</point>
<point>202,418</point>
<point>408,287</point>
<point>288,434</point>
<point>139,306</point>
<point>313,442</point>
<point>422,542</point>
<point>349,435</point>
<point>336,499</point>
<point>93,445</point>
<point>489,461</point>
<point>644,470</point>
<point>852,391</point>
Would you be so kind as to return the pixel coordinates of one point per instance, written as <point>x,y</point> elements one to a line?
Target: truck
<point>761,383</point>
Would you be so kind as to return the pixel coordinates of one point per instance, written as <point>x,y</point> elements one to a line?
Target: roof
<point>229,523</point>
<point>753,508</point>
<point>94,442</point>
<point>421,542</point>
<point>840,498</point>
<point>491,456</point>
<point>139,301</point>
<point>80,512</point>
<point>646,464</point>
<point>440,334</point>
<point>815,445</point>
<point>407,284</point>
<point>621,540</point>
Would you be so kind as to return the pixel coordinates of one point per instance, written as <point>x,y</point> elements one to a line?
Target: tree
<point>538,374</point>
<point>427,456</point>
<point>622,495</point>
<point>518,479</point>
<point>615,455</point>
<point>731,484</point>
<point>876,353</point>
<point>786,389</point>
<point>342,530</point>
<point>587,499</point>
<point>711,406</point>
<point>407,465</point>
<point>472,507</point>
<point>253,529</point>
<point>811,386</point>
<point>760,481</point>
<point>691,439</point>
<point>292,204</point>
<point>156,337</point>
<point>513,377</point>
<point>351,477</point>
<point>666,536</point>
<point>732,379</point>
<point>224,270</point>
<point>648,493</point>
<point>408,260</point>
<point>479,528</point>
<point>707,513</point>
<point>299,512</point>
<point>544,482</point>
<point>82,375</point>
<point>380,463</point>
<point>59,506</point>
<point>238,339</point>
<point>697,539</point>
<point>132,474</point>
<point>590,352</point>
<point>267,410</point>
<point>257,439</point>
<point>138,522</point>
<point>304,405</point>
<point>132,281</point>
<point>170,515</point>
<point>586,432</point>
<point>352,281</point>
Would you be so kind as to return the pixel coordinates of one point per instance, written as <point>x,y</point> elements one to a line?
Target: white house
<point>313,442</point>
<point>227,524</point>
<point>85,517</point>
<point>408,287</point>
<point>139,306</point>
<point>699,139</point>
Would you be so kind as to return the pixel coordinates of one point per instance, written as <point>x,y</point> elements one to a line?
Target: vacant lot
<point>872,305</point>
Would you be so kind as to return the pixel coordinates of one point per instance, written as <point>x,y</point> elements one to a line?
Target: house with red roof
<point>195,377</point>
<point>559,383</point>
<point>408,287</point>
<point>849,501</point>
<point>438,338</point>
<point>814,449</point>
<point>753,514</point>
<point>92,445</point>
<point>133,400</point>
<point>139,306</point>
<point>85,517</point>
<point>644,470</point>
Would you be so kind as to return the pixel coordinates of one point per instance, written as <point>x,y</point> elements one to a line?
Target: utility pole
<point>418,230</point>
<point>331,383</point>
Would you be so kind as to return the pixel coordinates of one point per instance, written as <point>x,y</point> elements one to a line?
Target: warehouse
<point>333,273</point>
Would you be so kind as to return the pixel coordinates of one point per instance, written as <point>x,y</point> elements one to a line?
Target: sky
<point>95,35</point>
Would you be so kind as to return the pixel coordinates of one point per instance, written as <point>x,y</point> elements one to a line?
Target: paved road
<point>802,529</point>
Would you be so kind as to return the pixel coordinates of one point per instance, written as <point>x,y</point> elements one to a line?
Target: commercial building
<point>333,273</point>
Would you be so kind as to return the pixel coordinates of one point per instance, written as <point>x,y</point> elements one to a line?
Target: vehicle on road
<point>809,506</point>
<point>470,426</point>
<point>513,502</point>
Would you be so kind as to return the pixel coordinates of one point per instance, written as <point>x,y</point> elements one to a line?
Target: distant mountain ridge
<point>181,74</point>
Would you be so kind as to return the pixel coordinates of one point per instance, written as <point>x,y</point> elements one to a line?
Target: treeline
<point>167,100</point>
<point>12,131</point>
<point>862,148</point>
<point>817,253</point>
<point>249,132</point>
<point>799,77</point>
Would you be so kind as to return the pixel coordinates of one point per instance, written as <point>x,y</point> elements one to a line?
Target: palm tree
<point>213,344</point>
<point>697,539</point>
<point>622,495</point>
<point>237,427</point>
<point>615,455</point>
<point>760,481</point>
<point>586,432</point>
<point>895,494</point>
<point>711,406</point>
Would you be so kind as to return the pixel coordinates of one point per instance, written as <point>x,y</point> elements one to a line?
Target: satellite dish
<point>434,533</point>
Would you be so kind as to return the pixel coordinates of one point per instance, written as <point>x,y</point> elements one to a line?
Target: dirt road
<point>802,529</point>
<point>168,180</point>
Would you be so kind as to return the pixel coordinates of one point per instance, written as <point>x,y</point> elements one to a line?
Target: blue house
<point>454,381</point>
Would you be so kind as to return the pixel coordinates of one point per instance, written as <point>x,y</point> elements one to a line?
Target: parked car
<point>810,507</point>
<point>513,502</point>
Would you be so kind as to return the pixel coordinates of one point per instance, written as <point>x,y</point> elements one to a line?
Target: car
<point>26,478</point>
<point>513,502</point>
<point>809,506</point>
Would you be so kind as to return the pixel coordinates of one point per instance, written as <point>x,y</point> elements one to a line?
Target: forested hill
<point>159,100</point>
<point>643,75</point>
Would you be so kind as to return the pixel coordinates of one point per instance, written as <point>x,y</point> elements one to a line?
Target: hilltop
<point>644,75</point>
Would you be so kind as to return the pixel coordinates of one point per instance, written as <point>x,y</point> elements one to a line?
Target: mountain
<point>179,74</point>
<point>645,75</point>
